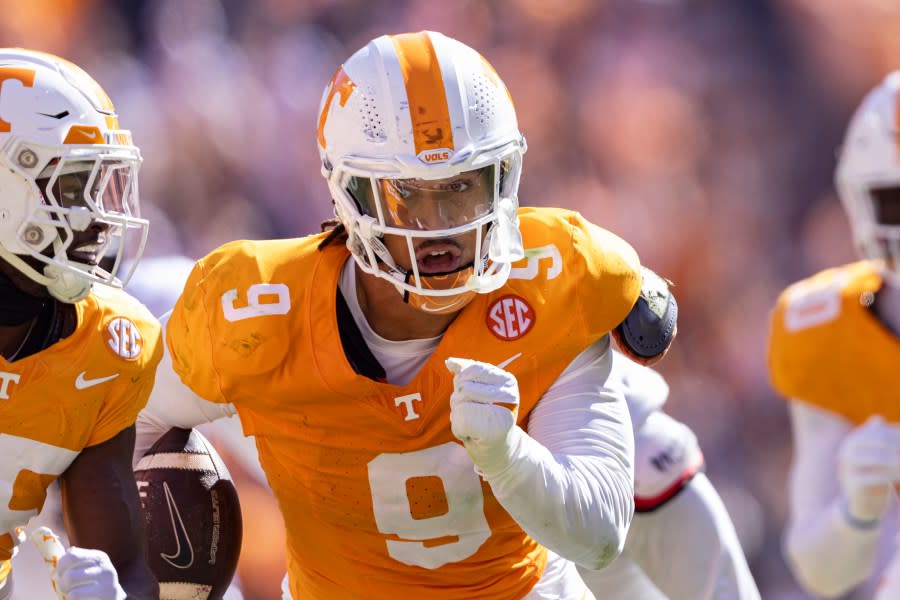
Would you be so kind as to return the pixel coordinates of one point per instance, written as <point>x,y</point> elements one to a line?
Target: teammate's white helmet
<point>868,176</point>
<point>410,109</point>
<point>64,166</point>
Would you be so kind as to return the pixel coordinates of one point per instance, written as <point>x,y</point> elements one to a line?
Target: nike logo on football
<point>82,382</point>
<point>184,552</point>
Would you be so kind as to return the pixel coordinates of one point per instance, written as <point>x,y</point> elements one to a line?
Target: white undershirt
<point>400,360</point>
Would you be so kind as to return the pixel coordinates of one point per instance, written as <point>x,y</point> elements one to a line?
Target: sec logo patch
<point>124,339</point>
<point>510,317</point>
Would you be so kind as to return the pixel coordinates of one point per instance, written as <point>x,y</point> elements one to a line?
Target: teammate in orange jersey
<point>77,354</point>
<point>427,380</point>
<point>834,352</point>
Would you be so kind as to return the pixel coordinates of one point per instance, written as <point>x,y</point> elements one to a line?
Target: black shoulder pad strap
<point>649,328</point>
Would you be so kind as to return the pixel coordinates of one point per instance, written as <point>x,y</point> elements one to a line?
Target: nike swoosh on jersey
<point>184,552</point>
<point>82,382</point>
<point>508,361</point>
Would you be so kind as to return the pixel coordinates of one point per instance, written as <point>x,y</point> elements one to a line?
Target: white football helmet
<point>868,176</point>
<point>403,115</point>
<point>66,167</point>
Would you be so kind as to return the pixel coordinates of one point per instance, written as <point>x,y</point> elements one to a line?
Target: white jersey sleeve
<point>686,550</point>
<point>666,457</point>
<point>173,404</point>
<point>157,283</point>
<point>828,555</point>
<point>645,390</point>
<point>569,483</point>
<point>682,537</point>
<point>667,454</point>
<point>682,544</point>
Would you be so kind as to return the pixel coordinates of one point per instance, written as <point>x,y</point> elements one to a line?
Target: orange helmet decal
<point>84,134</point>
<point>25,76</point>
<point>340,84</point>
<point>425,91</point>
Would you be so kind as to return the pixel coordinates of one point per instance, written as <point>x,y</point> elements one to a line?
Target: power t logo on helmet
<point>68,176</point>
<point>422,153</point>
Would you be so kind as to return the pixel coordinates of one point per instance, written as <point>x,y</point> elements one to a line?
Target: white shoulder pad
<point>666,457</point>
<point>644,389</point>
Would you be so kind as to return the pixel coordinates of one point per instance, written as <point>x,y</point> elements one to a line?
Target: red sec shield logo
<point>510,317</point>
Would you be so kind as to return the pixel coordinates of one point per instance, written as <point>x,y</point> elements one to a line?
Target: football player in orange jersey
<point>834,352</point>
<point>77,354</point>
<point>426,381</point>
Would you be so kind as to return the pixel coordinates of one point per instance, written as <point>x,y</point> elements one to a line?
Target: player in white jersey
<point>681,544</point>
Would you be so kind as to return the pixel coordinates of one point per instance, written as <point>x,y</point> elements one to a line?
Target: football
<point>191,514</point>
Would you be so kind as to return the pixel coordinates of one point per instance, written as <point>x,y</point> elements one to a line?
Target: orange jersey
<point>79,392</point>
<point>828,349</point>
<point>379,499</point>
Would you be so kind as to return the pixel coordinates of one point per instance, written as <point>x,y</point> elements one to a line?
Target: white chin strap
<point>66,286</point>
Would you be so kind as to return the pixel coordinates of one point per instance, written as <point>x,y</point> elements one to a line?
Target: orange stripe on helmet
<point>120,138</point>
<point>23,75</point>
<point>340,84</point>
<point>112,122</point>
<point>424,90</point>
<point>84,134</point>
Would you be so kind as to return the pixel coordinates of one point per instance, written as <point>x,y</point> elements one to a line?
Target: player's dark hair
<point>336,231</point>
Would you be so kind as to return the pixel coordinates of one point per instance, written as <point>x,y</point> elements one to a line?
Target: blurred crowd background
<point>702,131</point>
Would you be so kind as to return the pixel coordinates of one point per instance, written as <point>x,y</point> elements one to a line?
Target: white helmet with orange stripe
<point>422,153</point>
<point>868,176</point>
<point>68,182</point>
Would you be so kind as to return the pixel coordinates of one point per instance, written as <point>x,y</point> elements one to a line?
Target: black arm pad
<point>650,327</point>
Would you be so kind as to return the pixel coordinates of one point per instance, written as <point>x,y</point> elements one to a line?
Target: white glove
<point>85,574</point>
<point>868,467</point>
<point>483,408</point>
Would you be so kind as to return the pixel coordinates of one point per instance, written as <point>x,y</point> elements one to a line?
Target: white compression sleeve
<point>827,554</point>
<point>173,404</point>
<point>570,483</point>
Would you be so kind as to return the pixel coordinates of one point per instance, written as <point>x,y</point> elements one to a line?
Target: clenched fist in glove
<point>78,573</point>
<point>868,467</point>
<point>483,409</point>
<point>88,575</point>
